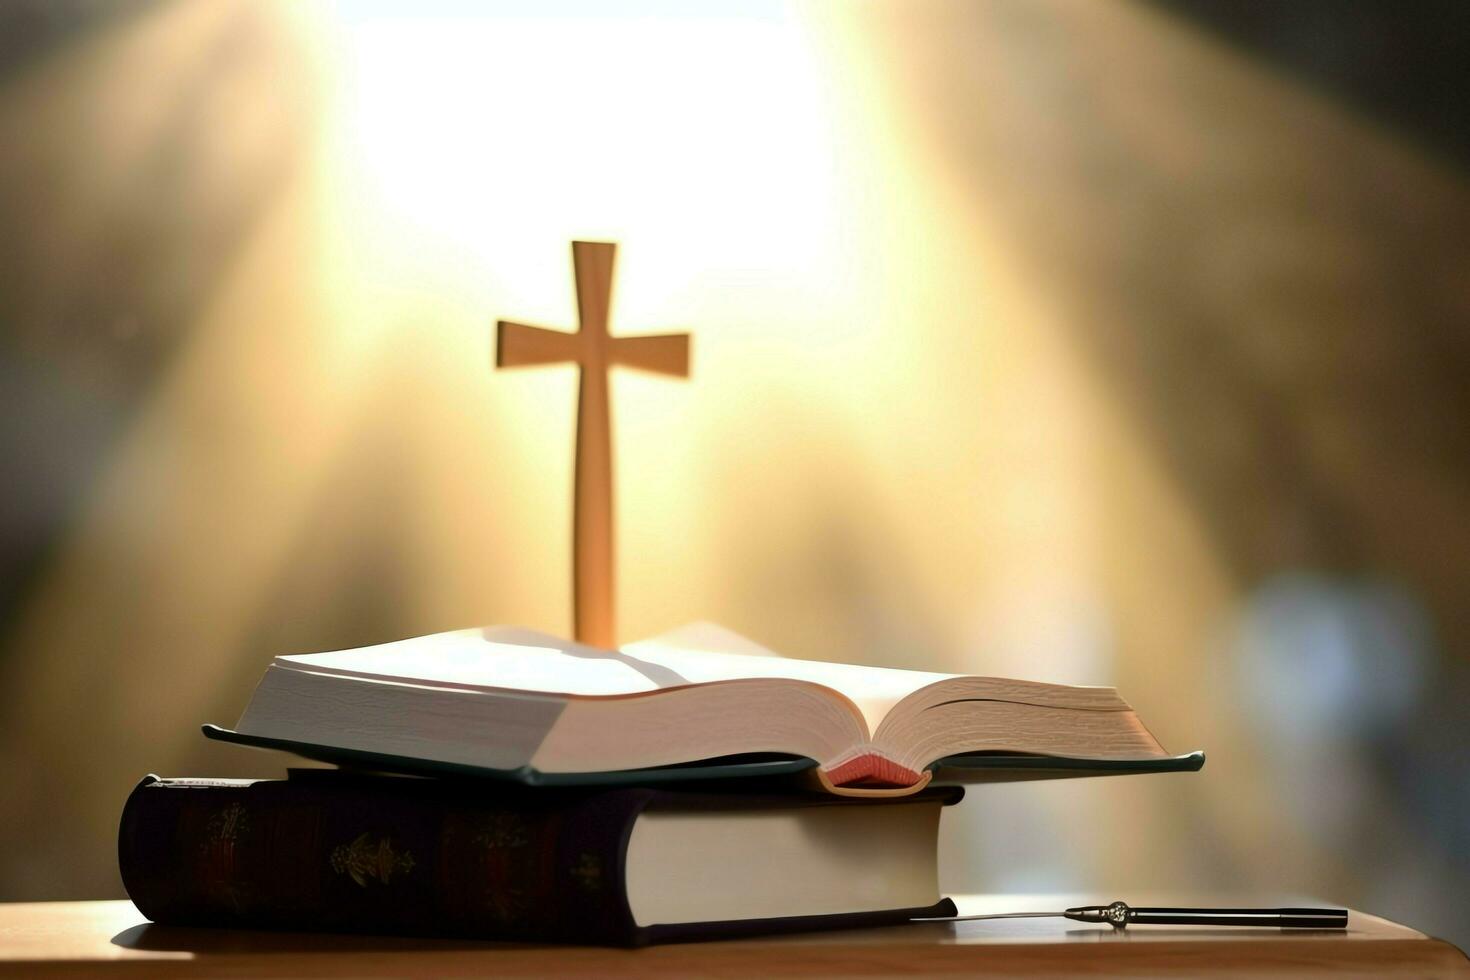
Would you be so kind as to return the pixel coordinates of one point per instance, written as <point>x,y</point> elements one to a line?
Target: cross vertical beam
<point>594,350</point>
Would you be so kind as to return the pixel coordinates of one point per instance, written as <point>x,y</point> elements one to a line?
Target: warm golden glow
<point>702,137</point>
<point>935,261</point>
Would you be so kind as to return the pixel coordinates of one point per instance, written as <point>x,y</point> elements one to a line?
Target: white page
<point>707,652</point>
<point>513,659</point>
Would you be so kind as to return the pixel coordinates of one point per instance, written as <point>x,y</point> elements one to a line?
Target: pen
<point>1120,915</point>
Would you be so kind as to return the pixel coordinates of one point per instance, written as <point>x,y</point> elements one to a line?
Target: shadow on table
<point>203,942</point>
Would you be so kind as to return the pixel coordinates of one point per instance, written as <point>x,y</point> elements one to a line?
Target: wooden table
<point>110,939</point>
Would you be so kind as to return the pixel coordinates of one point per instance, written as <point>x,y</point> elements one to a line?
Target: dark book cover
<point>978,767</point>
<point>334,851</point>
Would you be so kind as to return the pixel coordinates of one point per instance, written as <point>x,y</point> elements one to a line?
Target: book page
<point>708,652</point>
<point>512,659</point>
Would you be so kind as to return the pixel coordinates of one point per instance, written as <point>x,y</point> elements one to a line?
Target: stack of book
<point>504,784</point>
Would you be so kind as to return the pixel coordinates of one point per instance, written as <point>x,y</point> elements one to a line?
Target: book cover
<point>972,768</point>
<point>334,851</point>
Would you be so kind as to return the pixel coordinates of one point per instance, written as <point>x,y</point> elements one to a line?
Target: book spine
<point>296,855</point>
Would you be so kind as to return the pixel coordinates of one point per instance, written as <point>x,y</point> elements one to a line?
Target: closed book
<point>328,850</point>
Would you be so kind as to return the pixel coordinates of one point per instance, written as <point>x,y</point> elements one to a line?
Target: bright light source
<point>514,127</point>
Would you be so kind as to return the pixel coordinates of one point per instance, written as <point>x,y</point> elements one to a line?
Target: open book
<point>511,700</point>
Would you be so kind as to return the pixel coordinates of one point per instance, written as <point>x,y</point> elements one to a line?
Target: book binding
<point>969,768</point>
<point>342,852</point>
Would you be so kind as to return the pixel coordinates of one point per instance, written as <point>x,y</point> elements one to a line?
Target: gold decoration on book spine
<point>501,871</point>
<point>224,826</point>
<point>219,855</point>
<point>588,872</point>
<point>364,859</point>
<point>502,830</point>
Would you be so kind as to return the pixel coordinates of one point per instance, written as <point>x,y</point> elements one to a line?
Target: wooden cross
<point>593,350</point>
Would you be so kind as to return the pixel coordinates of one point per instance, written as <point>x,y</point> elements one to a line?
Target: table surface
<point>113,939</point>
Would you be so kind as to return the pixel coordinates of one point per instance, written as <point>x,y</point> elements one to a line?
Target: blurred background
<point>1101,343</point>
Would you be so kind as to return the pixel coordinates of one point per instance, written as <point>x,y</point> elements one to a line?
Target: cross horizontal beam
<point>660,353</point>
<point>519,345</point>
